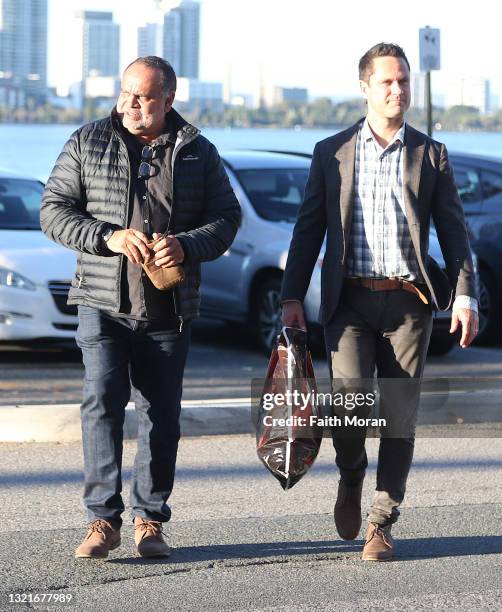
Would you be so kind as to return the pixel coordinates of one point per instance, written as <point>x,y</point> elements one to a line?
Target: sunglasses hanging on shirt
<point>146,170</point>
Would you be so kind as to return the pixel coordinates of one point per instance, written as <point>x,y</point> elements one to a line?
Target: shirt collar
<point>367,134</point>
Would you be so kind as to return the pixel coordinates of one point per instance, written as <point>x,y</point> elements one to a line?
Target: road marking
<point>239,402</point>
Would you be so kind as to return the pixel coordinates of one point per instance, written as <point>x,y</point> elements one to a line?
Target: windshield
<point>275,194</point>
<point>20,204</point>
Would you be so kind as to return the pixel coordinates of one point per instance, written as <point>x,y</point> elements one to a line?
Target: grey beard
<point>136,125</point>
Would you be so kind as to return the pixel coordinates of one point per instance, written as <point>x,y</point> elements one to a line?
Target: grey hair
<point>163,66</point>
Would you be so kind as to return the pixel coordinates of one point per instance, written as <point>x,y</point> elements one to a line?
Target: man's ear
<point>169,101</point>
<point>364,88</point>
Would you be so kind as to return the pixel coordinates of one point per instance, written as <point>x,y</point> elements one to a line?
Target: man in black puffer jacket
<point>143,173</point>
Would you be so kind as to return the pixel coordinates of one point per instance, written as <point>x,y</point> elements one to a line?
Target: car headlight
<point>9,278</point>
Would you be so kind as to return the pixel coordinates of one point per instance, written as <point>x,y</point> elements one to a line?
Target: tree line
<point>321,113</point>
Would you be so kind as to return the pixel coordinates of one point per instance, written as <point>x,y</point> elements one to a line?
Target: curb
<point>61,422</point>
<point>227,416</point>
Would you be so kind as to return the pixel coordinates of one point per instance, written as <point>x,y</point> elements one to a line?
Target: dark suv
<point>479,182</point>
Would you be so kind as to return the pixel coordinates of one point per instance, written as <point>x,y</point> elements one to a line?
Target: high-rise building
<point>469,91</point>
<point>150,39</point>
<point>418,87</point>
<point>418,90</point>
<point>289,95</point>
<point>194,94</point>
<point>181,39</point>
<point>494,102</point>
<point>101,42</point>
<point>172,39</point>
<point>268,95</point>
<point>23,51</point>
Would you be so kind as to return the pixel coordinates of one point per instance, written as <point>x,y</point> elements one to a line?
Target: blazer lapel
<point>346,156</point>
<point>413,157</point>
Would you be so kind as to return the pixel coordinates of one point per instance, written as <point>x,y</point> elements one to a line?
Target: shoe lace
<point>150,528</point>
<point>99,526</point>
<point>383,532</point>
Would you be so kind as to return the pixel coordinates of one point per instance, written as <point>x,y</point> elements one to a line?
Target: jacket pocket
<point>78,279</point>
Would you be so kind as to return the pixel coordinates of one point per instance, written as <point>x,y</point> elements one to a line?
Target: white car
<point>35,273</point>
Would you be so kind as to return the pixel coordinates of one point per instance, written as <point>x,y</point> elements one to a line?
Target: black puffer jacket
<point>88,192</point>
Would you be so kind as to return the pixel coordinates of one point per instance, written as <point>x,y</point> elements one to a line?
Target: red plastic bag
<point>287,434</point>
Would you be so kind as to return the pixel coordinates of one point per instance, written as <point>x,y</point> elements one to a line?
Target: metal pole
<point>428,102</point>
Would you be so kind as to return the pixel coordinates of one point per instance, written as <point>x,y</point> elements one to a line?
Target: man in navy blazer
<point>373,190</point>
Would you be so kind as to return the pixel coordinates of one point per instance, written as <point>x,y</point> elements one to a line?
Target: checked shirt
<point>380,241</point>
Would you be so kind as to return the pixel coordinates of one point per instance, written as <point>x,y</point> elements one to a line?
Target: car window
<point>492,183</point>
<point>20,203</point>
<point>275,194</point>
<point>468,183</point>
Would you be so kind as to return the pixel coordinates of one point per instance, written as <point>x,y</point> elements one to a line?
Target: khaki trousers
<point>387,333</point>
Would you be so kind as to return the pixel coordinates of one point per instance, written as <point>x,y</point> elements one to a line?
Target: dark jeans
<point>118,354</point>
<point>388,331</point>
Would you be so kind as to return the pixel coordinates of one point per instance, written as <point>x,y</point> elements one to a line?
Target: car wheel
<point>488,324</point>
<point>268,313</point>
<point>442,344</point>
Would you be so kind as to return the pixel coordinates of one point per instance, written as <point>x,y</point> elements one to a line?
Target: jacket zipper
<point>121,265</point>
<point>170,225</point>
<point>80,272</point>
<point>122,144</point>
<point>177,148</point>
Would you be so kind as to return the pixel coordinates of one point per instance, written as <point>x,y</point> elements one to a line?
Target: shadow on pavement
<point>407,549</point>
<point>451,546</point>
<point>27,479</point>
<point>225,552</point>
<point>40,354</point>
<point>217,333</point>
<point>204,331</point>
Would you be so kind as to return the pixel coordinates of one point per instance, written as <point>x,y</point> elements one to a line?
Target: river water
<point>32,149</point>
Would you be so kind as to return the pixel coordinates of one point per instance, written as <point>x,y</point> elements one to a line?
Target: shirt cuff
<point>465,301</point>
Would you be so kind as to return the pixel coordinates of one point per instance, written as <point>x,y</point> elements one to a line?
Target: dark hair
<point>380,50</point>
<point>165,68</point>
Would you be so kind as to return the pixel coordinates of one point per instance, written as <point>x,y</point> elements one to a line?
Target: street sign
<point>430,49</point>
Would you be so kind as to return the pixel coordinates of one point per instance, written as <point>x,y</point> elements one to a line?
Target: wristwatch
<point>107,234</point>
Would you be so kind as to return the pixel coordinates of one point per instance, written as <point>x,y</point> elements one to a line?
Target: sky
<point>310,43</point>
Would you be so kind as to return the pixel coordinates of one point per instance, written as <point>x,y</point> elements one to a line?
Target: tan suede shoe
<point>148,538</point>
<point>100,539</point>
<point>379,544</point>
<point>348,510</point>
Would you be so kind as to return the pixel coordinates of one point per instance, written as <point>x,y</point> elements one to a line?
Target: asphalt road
<point>241,543</point>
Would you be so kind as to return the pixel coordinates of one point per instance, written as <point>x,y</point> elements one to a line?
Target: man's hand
<point>293,315</point>
<point>469,321</point>
<point>131,243</point>
<point>168,251</point>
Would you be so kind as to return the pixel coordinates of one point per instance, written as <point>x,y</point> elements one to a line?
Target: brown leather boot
<point>379,544</point>
<point>100,539</point>
<point>348,510</point>
<point>148,538</point>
